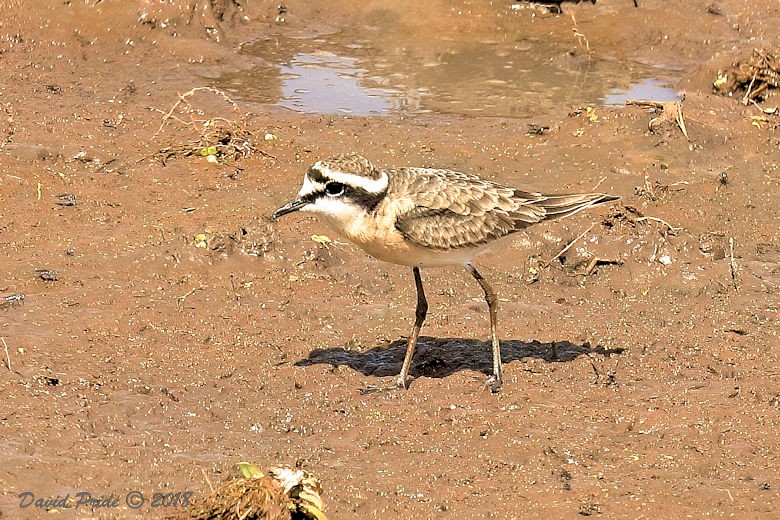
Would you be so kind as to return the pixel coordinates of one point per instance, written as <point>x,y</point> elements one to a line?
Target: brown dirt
<point>642,389</point>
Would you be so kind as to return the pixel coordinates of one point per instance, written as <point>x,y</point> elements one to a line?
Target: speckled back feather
<point>446,209</point>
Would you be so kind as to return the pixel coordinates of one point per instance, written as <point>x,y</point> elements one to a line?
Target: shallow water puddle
<point>328,84</point>
<point>647,89</point>
<point>506,79</point>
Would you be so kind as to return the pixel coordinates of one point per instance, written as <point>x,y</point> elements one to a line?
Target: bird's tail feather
<point>559,206</point>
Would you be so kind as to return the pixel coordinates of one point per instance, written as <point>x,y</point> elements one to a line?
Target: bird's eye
<point>334,189</point>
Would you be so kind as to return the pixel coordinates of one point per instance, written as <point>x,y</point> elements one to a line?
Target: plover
<point>424,217</point>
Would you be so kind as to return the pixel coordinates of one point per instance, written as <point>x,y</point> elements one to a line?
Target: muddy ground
<point>646,387</point>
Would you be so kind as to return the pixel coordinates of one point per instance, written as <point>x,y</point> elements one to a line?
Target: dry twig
<point>672,229</point>
<point>580,37</point>
<point>184,296</point>
<point>732,263</point>
<point>681,121</point>
<point>599,183</point>
<point>568,246</point>
<point>7,356</point>
<point>600,261</point>
<point>183,101</point>
<point>208,481</point>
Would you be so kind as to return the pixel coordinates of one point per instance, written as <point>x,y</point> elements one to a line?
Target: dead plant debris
<point>219,139</point>
<point>632,216</point>
<point>222,139</point>
<point>752,79</point>
<point>66,199</point>
<point>596,261</point>
<point>11,300</point>
<point>8,128</point>
<point>47,275</point>
<point>534,129</point>
<point>281,493</point>
<point>671,112</point>
<point>657,190</point>
<point>253,498</point>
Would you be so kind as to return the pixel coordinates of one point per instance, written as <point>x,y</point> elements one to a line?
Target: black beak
<point>293,205</point>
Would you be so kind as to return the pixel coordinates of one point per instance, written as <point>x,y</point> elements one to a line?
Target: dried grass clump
<point>218,139</point>
<point>244,499</point>
<point>282,494</point>
<point>754,77</point>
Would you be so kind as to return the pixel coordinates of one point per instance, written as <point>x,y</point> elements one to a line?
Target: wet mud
<point>158,328</point>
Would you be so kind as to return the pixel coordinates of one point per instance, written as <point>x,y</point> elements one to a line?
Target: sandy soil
<point>646,388</point>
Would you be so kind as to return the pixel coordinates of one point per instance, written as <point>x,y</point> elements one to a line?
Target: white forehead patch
<point>350,179</point>
<point>309,187</point>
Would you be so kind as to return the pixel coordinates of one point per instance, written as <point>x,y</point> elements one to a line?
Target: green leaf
<point>249,470</point>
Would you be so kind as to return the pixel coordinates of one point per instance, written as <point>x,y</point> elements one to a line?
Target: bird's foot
<point>494,383</point>
<point>403,382</point>
<point>373,389</point>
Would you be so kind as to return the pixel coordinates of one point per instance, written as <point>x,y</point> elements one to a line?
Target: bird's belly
<point>383,241</point>
<point>394,248</point>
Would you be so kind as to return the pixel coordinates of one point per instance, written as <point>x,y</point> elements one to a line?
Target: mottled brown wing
<point>443,229</point>
<point>449,210</point>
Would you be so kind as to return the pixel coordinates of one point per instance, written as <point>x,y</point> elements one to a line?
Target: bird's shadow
<point>441,357</point>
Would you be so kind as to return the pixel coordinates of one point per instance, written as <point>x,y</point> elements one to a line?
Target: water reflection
<point>648,89</point>
<point>327,83</point>
<point>508,79</point>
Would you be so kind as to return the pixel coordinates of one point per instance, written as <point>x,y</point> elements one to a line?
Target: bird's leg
<point>490,297</point>
<point>420,313</point>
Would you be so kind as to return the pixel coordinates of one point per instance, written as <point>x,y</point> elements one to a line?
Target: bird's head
<point>340,188</point>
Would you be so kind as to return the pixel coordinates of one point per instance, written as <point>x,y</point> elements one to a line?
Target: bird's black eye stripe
<point>334,189</point>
